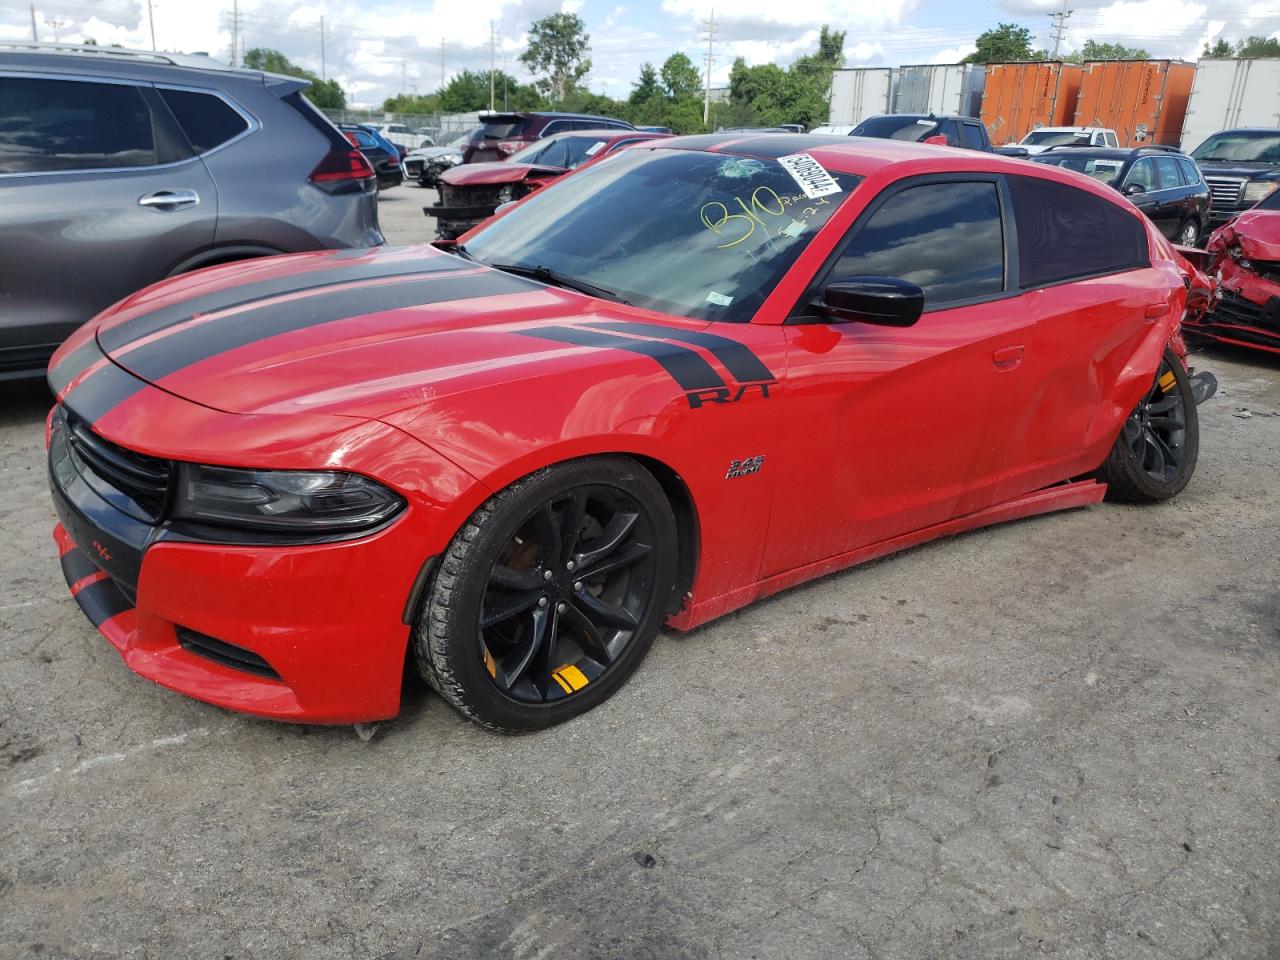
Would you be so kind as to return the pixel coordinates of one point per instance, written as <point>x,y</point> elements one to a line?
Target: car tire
<point>1188,234</point>
<point>550,595</point>
<point>1155,454</point>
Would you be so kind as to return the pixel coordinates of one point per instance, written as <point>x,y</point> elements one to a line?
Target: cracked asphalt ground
<point>1055,737</point>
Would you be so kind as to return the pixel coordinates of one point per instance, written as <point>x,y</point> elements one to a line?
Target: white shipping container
<point>1231,93</point>
<point>859,93</point>
<point>945,89</point>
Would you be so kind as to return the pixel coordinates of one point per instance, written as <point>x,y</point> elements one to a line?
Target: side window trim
<point>1007,232</point>
<point>253,125</point>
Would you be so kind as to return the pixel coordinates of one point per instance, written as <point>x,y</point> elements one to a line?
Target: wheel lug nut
<point>542,601</point>
<point>578,585</point>
<point>547,575</point>
<point>561,607</point>
<point>570,565</point>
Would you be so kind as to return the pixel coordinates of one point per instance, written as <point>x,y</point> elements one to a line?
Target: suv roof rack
<point>197,60</point>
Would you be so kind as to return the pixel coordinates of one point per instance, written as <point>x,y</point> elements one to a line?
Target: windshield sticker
<point>793,229</point>
<point>810,175</point>
<point>739,168</point>
<point>719,299</point>
<point>594,148</point>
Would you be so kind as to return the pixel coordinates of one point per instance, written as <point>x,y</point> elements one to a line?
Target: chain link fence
<point>441,128</point>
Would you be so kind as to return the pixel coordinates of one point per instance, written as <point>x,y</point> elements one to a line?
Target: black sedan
<point>1162,183</point>
<point>380,152</point>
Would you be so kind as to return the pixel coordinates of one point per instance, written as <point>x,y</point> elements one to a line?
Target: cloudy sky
<point>377,49</point>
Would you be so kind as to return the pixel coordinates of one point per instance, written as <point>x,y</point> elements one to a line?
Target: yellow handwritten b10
<point>716,221</point>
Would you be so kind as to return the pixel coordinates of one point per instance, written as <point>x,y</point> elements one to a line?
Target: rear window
<point>501,129</point>
<point>53,125</point>
<point>208,121</point>
<point>1066,234</point>
<point>1105,169</point>
<point>896,128</point>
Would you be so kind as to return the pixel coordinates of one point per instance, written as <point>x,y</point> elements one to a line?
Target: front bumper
<point>1247,311</point>
<point>311,633</point>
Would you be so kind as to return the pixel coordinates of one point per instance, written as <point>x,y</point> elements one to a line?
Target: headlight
<point>322,501</point>
<point>1259,190</point>
<point>507,193</point>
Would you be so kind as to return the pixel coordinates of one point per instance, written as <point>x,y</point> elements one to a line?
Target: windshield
<point>1260,146</point>
<point>499,128</point>
<point>1055,138</point>
<point>565,152</point>
<point>1106,169</point>
<point>896,128</point>
<point>734,225</point>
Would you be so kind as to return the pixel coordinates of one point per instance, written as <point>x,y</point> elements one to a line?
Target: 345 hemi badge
<point>744,468</point>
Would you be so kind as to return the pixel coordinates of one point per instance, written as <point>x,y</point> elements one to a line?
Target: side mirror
<point>1133,189</point>
<point>887,301</point>
<point>938,140</point>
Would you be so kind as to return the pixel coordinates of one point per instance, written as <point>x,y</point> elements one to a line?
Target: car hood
<point>1248,171</point>
<point>361,333</point>
<point>1256,232</point>
<point>430,153</point>
<point>475,174</point>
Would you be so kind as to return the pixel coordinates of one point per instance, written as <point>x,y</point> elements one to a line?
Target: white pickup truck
<point>402,136</point>
<point>1038,141</point>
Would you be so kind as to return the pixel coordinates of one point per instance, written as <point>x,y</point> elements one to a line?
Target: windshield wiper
<point>547,275</point>
<point>461,251</point>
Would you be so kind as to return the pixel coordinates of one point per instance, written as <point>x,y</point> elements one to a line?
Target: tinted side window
<point>970,136</point>
<point>1190,172</point>
<point>1065,233</point>
<point>207,120</point>
<point>1167,175</point>
<point>68,125</point>
<point>945,237</point>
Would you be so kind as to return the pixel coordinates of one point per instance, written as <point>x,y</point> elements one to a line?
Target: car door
<point>99,196</point>
<point>897,429</point>
<point>1091,295</point>
<point>1142,187</point>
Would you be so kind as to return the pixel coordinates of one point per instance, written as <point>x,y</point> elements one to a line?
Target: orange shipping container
<point>1143,101</point>
<point>1021,97</point>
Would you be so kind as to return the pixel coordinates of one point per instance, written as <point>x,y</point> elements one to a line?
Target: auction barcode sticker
<point>810,175</point>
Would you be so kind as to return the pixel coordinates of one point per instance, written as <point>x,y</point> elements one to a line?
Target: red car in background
<point>692,376</point>
<point>1246,260</point>
<point>470,193</point>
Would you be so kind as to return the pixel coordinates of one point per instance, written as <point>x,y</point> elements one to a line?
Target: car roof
<point>486,115</point>
<point>137,64</point>
<point>1112,153</point>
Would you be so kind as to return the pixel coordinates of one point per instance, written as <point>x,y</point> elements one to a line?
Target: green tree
<point>646,88</point>
<point>412,103</point>
<point>558,48</point>
<point>469,90</point>
<point>1004,43</point>
<point>326,94</point>
<point>1222,50</point>
<point>1258,47</point>
<point>1092,50</point>
<point>680,79</point>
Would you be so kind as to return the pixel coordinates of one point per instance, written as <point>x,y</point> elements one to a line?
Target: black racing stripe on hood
<point>101,392</point>
<point>683,365</point>
<point>73,364</point>
<point>113,338</point>
<point>742,364</point>
<point>183,348</point>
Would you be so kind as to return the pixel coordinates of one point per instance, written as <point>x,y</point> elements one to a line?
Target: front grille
<point>1233,308</point>
<point>451,196</point>
<point>1226,190</point>
<point>227,654</point>
<point>143,479</point>
<point>413,167</point>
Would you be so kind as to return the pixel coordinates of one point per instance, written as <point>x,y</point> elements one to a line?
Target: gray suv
<point>118,169</point>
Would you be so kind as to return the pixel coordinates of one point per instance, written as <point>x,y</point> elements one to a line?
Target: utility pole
<point>491,65</point>
<point>57,23</point>
<point>1059,27</point>
<point>151,19</point>
<point>323,77</point>
<point>404,76</point>
<point>235,32</point>
<point>35,35</point>
<point>442,64</point>
<point>706,90</point>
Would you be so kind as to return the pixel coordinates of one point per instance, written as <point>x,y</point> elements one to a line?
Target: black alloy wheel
<point>550,595</point>
<point>567,593</point>
<point>1155,454</point>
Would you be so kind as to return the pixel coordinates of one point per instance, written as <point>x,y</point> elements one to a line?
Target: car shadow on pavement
<point>24,401</point>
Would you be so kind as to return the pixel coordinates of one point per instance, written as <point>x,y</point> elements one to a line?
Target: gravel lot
<point>1059,736</point>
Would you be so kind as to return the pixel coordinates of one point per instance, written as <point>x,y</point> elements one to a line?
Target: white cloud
<point>953,54</point>
<point>863,53</point>
<point>838,13</point>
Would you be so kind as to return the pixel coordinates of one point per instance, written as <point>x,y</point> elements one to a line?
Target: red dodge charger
<point>667,385</point>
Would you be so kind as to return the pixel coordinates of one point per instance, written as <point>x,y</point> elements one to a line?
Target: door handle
<point>1006,358</point>
<point>169,198</point>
